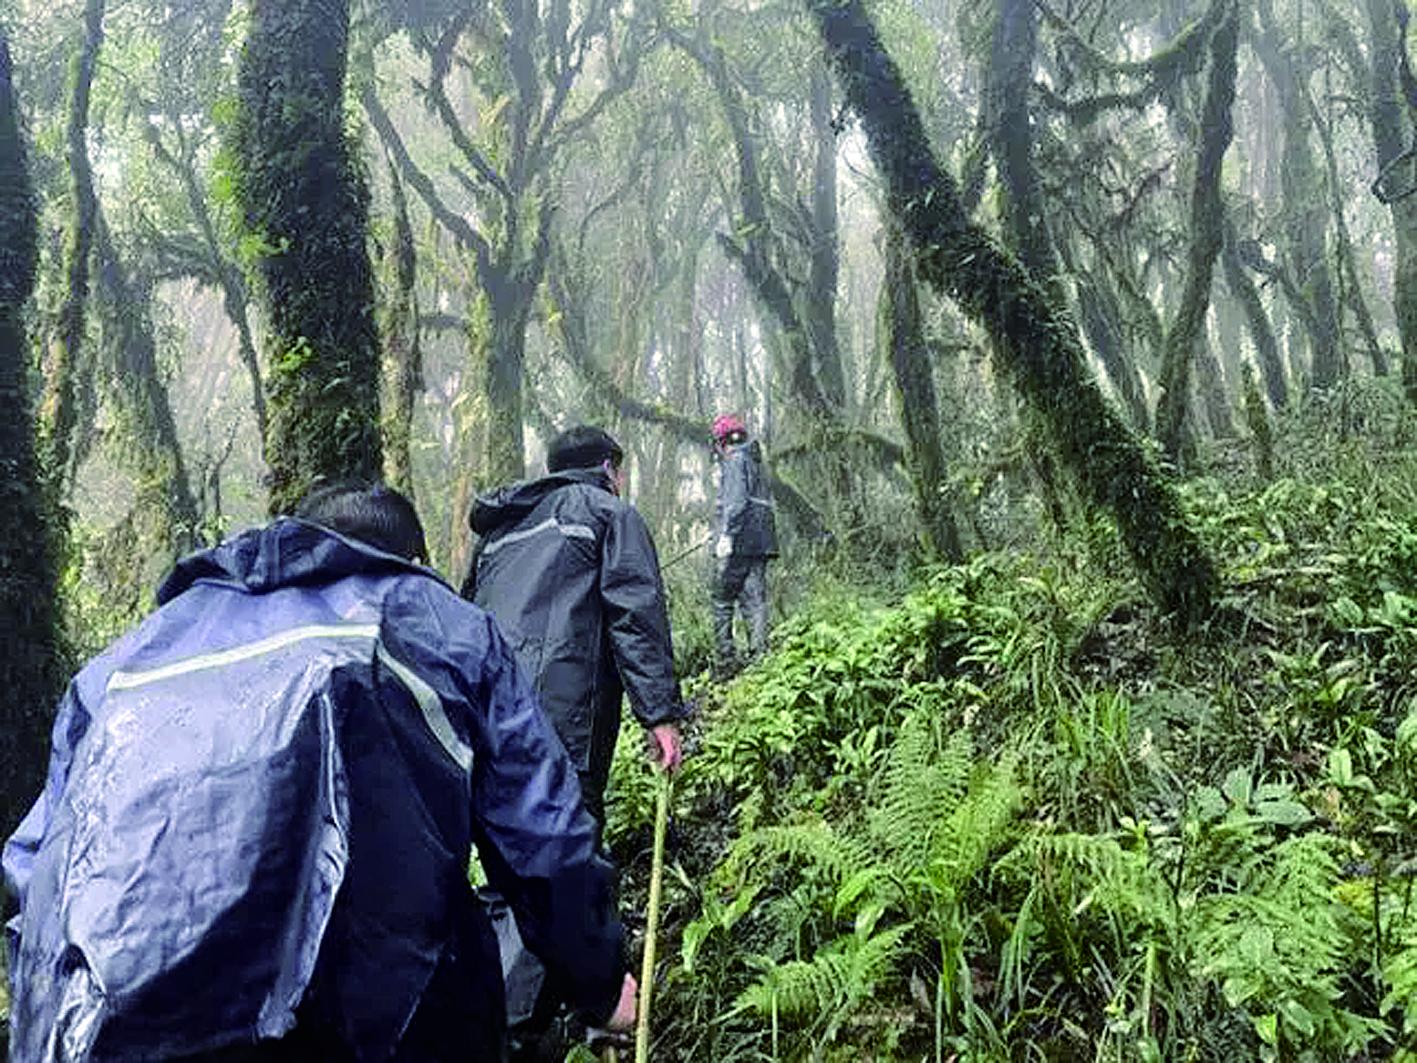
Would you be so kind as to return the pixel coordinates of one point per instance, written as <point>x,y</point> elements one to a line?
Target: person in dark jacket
<point>254,839</point>
<point>746,537</point>
<point>570,572</point>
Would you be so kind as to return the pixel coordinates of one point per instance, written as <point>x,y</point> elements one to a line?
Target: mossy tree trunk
<point>29,665</point>
<point>1305,254</point>
<point>902,337</point>
<point>163,504</point>
<point>303,197</point>
<point>1010,77</point>
<point>824,269</point>
<point>1243,289</point>
<point>58,413</point>
<point>1392,127</point>
<point>403,360</point>
<point>1032,336</point>
<point>1207,236</point>
<point>1101,319</point>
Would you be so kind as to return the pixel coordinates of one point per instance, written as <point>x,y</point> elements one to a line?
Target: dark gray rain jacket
<point>263,798</point>
<point>571,575</point>
<point>745,510</point>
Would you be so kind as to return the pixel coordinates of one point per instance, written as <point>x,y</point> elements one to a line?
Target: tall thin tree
<point>29,658</point>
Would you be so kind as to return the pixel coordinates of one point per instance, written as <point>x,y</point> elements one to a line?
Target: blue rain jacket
<point>264,797</point>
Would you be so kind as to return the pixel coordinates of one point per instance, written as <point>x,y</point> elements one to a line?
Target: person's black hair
<point>583,447</point>
<point>369,512</point>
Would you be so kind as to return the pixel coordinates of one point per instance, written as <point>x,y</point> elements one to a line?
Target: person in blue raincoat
<point>254,839</point>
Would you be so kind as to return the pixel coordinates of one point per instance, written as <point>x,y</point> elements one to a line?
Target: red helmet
<point>725,424</point>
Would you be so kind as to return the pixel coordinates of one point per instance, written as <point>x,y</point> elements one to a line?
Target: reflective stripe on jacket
<point>570,572</point>
<point>266,794</point>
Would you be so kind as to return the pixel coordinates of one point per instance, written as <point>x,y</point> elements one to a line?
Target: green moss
<point>1032,336</point>
<point>304,207</point>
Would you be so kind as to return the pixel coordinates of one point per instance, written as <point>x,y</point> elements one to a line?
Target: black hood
<point>509,504</point>
<point>285,552</point>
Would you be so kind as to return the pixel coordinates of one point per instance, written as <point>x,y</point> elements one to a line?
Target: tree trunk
<point>1305,252</point>
<point>1210,383</point>
<point>902,337</point>
<point>1010,79</point>
<point>403,359</point>
<point>1031,335</point>
<point>163,494</point>
<point>58,412</point>
<point>303,198</point>
<point>1261,331</point>
<point>30,666</point>
<point>1207,236</point>
<point>1100,315</point>
<point>825,267</point>
<point>1397,169</point>
<point>234,295</point>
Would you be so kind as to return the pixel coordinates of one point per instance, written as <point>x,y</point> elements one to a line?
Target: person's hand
<point>724,547</point>
<point>627,1010</point>
<point>668,748</point>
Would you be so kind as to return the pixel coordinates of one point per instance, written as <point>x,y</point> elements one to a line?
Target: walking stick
<point>656,876</point>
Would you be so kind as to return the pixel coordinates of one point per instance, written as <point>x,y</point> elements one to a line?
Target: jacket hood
<point>286,552</point>
<point>509,504</point>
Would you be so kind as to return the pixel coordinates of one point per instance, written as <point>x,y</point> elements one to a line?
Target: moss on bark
<point>30,664</point>
<point>305,209</point>
<point>1033,338</point>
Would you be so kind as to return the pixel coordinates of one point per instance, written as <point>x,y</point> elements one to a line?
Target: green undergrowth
<point>1013,814</point>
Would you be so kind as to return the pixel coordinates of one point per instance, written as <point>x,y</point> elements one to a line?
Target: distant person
<point>569,571</point>
<point>254,839</point>
<point>745,538</point>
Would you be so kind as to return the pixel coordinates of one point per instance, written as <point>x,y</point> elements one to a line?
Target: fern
<point>833,983</point>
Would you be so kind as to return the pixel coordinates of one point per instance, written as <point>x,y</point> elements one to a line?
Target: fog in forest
<point>1118,297</point>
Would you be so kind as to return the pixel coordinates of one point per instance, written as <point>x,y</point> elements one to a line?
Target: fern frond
<point>815,845</point>
<point>836,980</point>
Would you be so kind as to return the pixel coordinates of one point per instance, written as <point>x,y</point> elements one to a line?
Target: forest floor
<point>1014,814</point>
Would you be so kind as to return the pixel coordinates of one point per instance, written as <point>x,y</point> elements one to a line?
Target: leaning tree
<point>1032,336</point>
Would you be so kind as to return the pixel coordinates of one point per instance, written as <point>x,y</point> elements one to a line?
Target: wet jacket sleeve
<point>733,493</point>
<point>69,726</point>
<point>637,619</point>
<point>538,843</point>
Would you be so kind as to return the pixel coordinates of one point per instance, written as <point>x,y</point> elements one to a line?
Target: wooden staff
<point>656,877</point>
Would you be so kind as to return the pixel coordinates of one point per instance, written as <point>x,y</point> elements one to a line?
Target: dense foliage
<point>1010,815</point>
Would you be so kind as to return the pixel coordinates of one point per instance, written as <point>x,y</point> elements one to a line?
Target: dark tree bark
<point>403,359</point>
<point>1207,235</point>
<point>1011,59</point>
<point>1033,338</point>
<point>163,494</point>
<point>59,413</point>
<point>1261,332</point>
<point>303,198</point>
<point>1350,285</point>
<point>30,664</point>
<point>1210,385</point>
<point>1305,252</point>
<point>825,267</point>
<point>754,245</point>
<point>902,336</point>
<point>1397,169</point>
<point>1100,317</point>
